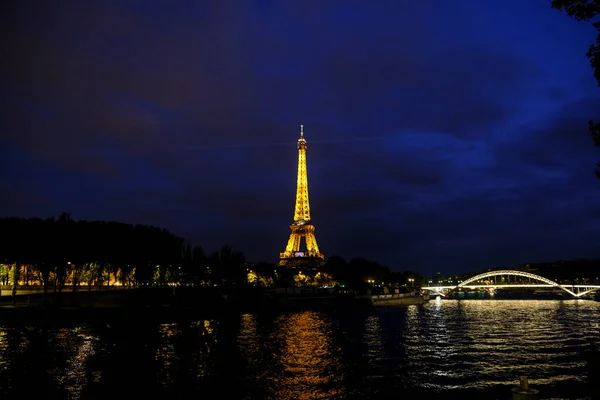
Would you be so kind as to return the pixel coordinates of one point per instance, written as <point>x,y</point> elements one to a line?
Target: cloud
<point>428,144</point>
<point>457,90</point>
<point>558,146</point>
<point>133,80</point>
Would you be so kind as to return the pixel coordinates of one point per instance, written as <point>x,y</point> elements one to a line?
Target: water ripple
<point>467,348</point>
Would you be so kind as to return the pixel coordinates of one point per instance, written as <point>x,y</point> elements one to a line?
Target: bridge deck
<point>494,286</point>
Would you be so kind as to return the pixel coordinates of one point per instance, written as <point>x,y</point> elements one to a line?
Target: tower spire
<point>301,130</point>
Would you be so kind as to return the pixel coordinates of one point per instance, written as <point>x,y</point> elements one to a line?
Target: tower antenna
<point>301,130</point>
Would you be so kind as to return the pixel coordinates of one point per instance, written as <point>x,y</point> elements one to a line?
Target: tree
<point>324,279</point>
<point>228,266</point>
<point>62,251</point>
<point>586,10</point>
<point>16,274</point>
<point>197,274</point>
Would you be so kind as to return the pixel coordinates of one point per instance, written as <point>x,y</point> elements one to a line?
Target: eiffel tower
<point>302,226</point>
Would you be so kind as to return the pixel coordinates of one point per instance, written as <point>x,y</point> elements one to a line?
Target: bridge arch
<point>514,273</point>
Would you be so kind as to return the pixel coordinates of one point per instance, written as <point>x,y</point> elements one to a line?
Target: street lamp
<point>412,281</point>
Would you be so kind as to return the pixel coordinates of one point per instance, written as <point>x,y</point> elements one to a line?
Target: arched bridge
<point>502,279</point>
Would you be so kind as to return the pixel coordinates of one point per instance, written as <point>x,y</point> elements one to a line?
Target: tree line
<point>357,274</point>
<point>55,252</point>
<point>60,252</point>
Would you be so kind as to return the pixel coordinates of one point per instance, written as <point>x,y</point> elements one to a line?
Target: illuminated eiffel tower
<point>302,226</point>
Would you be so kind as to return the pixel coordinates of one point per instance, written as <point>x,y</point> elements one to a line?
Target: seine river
<point>466,348</point>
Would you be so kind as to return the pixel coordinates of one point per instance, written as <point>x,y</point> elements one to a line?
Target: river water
<point>448,348</point>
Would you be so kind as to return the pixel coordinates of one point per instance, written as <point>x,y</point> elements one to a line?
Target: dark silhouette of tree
<point>15,279</point>
<point>198,272</point>
<point>411,279</point>
<point>363,271</point>
<point>227,267</point>
<point>64,231</point>
<point>187,265</point>
<point>266,271</point>
<point>57,250</point>
<point>47,256</point>
<point>586,10</point>
<point>284,277</point>
<point>360,274</point>
<point>61,252</point>
<point>337,267</point>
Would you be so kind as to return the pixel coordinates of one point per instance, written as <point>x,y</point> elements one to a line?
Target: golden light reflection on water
<point>3,349</point>
<point>444,344</point>
<point>165,353</point>
<point>205,331</point>
<point>207,343</point>
<point>250,343</point>
<point>208,326</point>
<point>186,347</point>
<point>310,364</point>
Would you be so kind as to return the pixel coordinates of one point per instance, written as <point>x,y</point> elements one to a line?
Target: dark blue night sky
<point>443,135</point>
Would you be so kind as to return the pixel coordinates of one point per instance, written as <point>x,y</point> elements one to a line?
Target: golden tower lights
<point>302,226</point>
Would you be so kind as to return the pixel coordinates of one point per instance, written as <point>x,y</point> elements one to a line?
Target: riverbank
<point>182,303</point>
<point>398,299</point>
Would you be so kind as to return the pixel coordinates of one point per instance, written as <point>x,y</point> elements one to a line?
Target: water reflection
<point>166,357</point>
<point>372,337</point>
<point>3,349</point>
<point>309,360</point>
<point>74,347</point>
<point>52,362</point>
<point>249,341</point>
<point>473,348</point>
<point>493,342</point>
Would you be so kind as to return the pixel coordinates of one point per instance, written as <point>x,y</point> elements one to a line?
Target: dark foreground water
<point>446,348</point>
